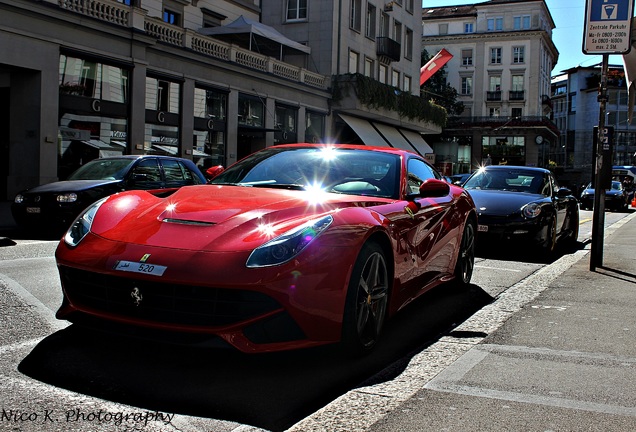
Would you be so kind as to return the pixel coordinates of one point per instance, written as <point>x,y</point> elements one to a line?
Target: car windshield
<point>348,171</point>
<point>102,169</point>
<point>515,180</point>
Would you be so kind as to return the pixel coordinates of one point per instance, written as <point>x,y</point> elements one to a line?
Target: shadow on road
<point>272,391</point>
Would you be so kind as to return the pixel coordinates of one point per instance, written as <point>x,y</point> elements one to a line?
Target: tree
<point>439,91</point>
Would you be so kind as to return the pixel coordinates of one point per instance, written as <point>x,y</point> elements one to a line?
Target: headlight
<point>67,197</point>
<point>285,247</point>
<point>82,224</point>
<point>19,199</point>
<point>531,210</point>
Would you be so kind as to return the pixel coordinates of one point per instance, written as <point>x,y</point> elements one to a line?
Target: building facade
<point>208,80</point>
<point>503,56</point>
<point>577,113</point>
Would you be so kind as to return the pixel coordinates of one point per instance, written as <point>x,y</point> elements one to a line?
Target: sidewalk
<point>566,361</point>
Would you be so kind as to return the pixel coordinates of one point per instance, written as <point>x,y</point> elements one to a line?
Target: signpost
<point>607,30</point>
<point>607,27</point>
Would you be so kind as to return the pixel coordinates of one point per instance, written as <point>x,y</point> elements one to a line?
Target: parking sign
<point>608,26</point>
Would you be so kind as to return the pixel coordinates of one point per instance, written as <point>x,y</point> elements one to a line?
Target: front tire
<point>367,299</point>
<point>466,255</point>
<point>549,245</point>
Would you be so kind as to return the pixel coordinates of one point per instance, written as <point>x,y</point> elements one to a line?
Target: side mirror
<point>214,171</point>
<point>563,192</point>
<point>433,188</point>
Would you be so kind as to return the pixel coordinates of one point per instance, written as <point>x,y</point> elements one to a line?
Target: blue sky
<point>569,17</point>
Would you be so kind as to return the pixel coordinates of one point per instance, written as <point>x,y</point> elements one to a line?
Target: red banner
<point>434,64</point>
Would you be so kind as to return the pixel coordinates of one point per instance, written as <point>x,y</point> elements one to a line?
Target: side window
<point>146,175</point>
<point>177,174</point>
<point>418,171</point>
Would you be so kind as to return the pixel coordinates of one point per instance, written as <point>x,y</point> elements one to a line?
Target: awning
<point>365,131</point>
<point>417,141</point>
<point>171,150</point>
<point>394,137</point>
<point>254,36</point>
<point>105,150</point>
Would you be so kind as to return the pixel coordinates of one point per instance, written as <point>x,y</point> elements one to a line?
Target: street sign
<point>608,26</point>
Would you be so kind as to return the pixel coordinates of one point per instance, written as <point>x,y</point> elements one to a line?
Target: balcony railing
<point>129,16</point>
<point>517,95</point>
<point>492,96</point>
<point>499,122</point>
<point>389,48</point>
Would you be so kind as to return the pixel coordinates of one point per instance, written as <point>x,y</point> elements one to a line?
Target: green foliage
<point>376,95</point>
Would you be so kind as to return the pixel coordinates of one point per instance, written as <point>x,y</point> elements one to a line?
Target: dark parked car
<point>459,179</point>
<point>523,204</point>
<point>55,205</point>
<point>616,198</point>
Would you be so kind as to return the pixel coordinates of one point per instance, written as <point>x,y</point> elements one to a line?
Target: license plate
<point>33,209</point>
<point>138,267</point>
<point>482,228</point>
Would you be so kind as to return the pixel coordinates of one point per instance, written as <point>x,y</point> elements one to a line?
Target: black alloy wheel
<point>367,299</point>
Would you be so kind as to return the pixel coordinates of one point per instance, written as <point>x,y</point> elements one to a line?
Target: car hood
<point>70,186</point>
<point>212,217</point>
<point>494,202</point>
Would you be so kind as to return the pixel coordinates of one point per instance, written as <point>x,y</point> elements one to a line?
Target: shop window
<point>315,130</point>
<point>251,111</point>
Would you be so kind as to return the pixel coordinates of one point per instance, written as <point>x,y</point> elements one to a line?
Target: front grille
<point>163,302</point>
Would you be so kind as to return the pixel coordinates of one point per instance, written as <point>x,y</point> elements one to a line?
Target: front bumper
<point>210,295</point>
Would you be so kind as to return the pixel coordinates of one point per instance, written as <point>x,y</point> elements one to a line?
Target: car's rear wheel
<point>367,299</point>
<point>466,258</point>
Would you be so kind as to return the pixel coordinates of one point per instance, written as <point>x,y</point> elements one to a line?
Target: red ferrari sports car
<point>294,246</point>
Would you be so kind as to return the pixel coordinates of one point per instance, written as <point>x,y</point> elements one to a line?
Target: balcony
<point>498,123</point>
<point>387,47</point>
<point>493,96</point>
<point>517,95</point>
<point>120,14</point>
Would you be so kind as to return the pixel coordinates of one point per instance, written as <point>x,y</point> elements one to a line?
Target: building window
<point>370,22</point>
<point>210,107</point>
<point>467,57</point>
<point>355,18</point>
<point>495,55</point>
<point>212,19</point>
<point>521,22</point>
<point>384,25</point>
<point>369,65</point>
<point>407,83</point>
<point>469,28</point>
<point>382,73</point>
<point>495,24</point>
<point>518,54</point>
<point>495,112</point>
<point>409,6</point>
<point>395,78</point>
<point>572,103</point>
<point>296,10</point>
<point>397,31</point>
<point>408,44</point>
<point>443,29</point>
<point>495,83</point>
<point>467,85</point>
<point>517,82</point>
<point>171,17</point>
<point>353,61</point>
<point>516,112</point>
